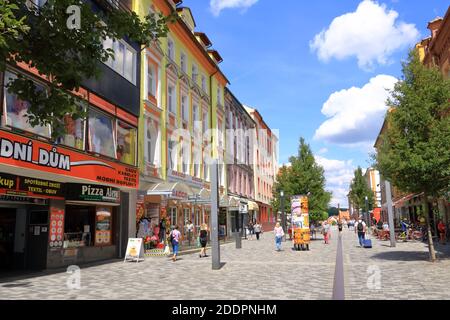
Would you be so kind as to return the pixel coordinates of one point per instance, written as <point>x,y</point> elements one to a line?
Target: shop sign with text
<point>23,152</point>
<point>92,192</point>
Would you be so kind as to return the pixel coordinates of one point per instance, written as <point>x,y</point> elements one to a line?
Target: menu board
<point>103,226</point>
<point>56,234</point>
<point>135,250</point>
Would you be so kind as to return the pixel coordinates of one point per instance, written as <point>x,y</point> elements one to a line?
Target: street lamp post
<point>367,212</point>
<point>283,214</point>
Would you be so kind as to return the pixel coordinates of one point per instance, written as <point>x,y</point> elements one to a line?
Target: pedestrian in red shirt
<point>441,229</point>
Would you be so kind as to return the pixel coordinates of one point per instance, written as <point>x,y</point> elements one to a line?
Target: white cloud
<point>356,114</point>
<point>338,175</point>
<point>371,34</point>
<point>217,6</point>
<point>323,151</point>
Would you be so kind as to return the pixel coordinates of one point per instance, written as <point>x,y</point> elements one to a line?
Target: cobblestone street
<point>256,271</point>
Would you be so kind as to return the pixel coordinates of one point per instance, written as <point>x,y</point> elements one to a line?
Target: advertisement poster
<point>300,213</point>
<point>135,249</point>
<point>103,226</point>
<point>56,234</point>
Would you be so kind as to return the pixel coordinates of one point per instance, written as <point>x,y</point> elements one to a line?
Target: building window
<point>150,143</point>
<point>171,49</point>
<point>197,162</point>
<point>219,96</point>
<point>185,156</point>
<point>171,99</point>
<point>74,136</point>
<point>183,62</point>
<point>184,108</point>
<point>205,121</point>
<point>126,143</point>
<point>124,62</point>
<point>194,73</point>
<point>205,171</point>
<point>172,155</point>
<point>151,79</point>
<point>101,134</point>
<point>173,216</point>
<point>203,83</point>
<point>16,110</point>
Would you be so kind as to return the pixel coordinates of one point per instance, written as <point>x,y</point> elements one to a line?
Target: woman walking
<point>326,232</point>
<point>175,236</point>
<point>258,229</point>
<point>279,233</point>
<point>203,237</point>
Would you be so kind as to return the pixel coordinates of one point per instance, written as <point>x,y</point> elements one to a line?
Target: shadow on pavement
<point>411,255</point>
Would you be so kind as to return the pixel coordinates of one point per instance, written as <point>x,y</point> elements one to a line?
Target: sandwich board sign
<point>135,250</point>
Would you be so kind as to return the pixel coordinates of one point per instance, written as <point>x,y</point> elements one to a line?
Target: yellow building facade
<point>181,125</point>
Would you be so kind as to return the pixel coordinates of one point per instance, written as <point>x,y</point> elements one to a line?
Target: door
<point>37,239</point>
<point>7,235</point>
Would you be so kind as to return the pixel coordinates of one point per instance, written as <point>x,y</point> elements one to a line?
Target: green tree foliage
<point>303,177</point>
<point>41,38</point>
<point>318,216</point>
<point>359,190</point>
<point>333,211</point>
<point>415,152</point>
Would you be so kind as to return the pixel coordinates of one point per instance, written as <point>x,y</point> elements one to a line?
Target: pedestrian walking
<point>441,229</point>
<point>312,228</point>
<point>251,230</point>
<point>189,230</point>
<point>279,234</point>
<point>258,229</point>
<point>174,237</point>
<point>360,228</point>
<point>340,225</point>
<point>326,232</point>
<point>203,239</point>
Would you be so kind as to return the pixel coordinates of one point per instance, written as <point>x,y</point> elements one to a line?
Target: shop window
<point>101,134</point>
<point>126,143</point>
<point>16,110</point>
<point>79,226</point>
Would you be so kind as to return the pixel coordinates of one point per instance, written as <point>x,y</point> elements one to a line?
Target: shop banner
<point>23,152</point>
<point>299,211</point>
<point>135,250</point>
<point>88,192</point>
<point>103,226</point>
<point>13,185</point>
<point>56,233</point>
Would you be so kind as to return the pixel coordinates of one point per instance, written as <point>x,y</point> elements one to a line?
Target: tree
<point>318,216</point>
<point>40,37</point>
<point>359,190</point>
<point>333,211</point>
<point>415,154</point>
<point>304,177</point>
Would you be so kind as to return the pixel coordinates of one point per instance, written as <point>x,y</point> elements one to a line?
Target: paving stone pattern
<point>256,271</point>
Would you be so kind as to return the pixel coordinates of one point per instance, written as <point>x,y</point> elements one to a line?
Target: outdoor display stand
<point>301,236</point>
<point>135,250</point>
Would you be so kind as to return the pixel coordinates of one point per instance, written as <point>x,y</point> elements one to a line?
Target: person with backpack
<point>360,228</point>
<point>174,237</point>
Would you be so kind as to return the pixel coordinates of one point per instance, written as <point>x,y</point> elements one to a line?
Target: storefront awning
<point>253,206</point>
<point>174,190</point>
<point>200,196</point>
<point>400,202</point>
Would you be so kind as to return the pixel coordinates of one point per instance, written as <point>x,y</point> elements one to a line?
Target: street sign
<point>243,208</point>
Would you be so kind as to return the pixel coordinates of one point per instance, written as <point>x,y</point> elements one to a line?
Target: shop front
<point>47,220</point>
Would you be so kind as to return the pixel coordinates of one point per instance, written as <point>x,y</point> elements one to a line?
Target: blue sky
<point>317,69</point>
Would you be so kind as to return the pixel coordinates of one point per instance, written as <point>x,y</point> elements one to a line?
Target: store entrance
<point>37,239</point>
<point>7,236</point>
